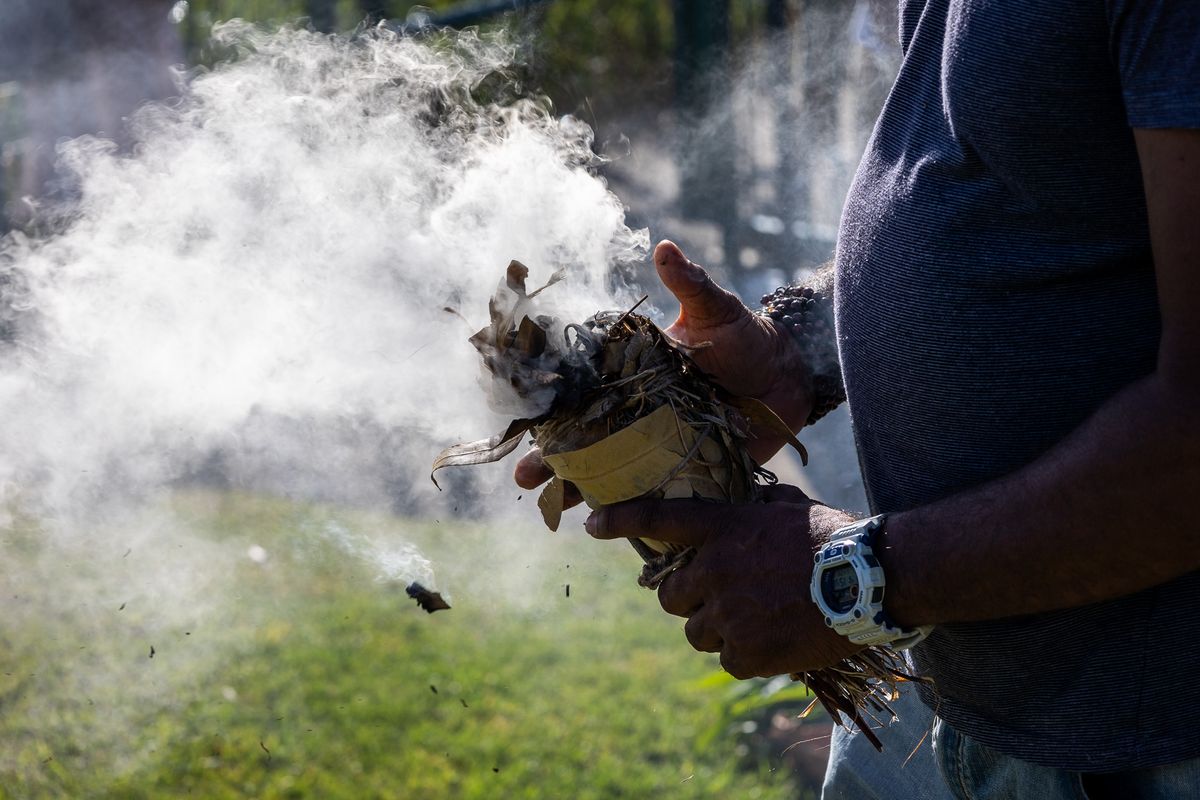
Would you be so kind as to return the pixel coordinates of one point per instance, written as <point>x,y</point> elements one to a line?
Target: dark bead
<point>807,315</point>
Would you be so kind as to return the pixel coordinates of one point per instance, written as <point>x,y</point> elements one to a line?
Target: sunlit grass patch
<point>298,673</point>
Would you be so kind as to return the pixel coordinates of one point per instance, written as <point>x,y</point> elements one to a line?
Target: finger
<point>737,666</point>
<point>682,593</point>
<point>701,301</point>
<point>686,522</point>
<point>783,493</point>
<point>701,635</point>
<point>571,495</point>
<point>531,472</point>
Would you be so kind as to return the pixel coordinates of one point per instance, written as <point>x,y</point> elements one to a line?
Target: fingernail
<point>662,250</point>
<point>696,274</point>
<point>592,523</point>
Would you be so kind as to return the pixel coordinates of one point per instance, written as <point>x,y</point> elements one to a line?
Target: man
<point>1018,269</point>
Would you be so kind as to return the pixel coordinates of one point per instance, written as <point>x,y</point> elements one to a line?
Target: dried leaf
<point>558,275</point>
<point>515,277</point>
<point>658,456</point>
<point>483,451</point>
<point>603,406</point>
<point>505,310</point>
<point>530,339</point>
<point>760,414</point>
<point>527,366</point>
<point>550,501</point>
<point>629,463</point>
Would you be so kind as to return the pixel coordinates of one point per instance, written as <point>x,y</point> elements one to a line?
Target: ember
<point>430,601</point>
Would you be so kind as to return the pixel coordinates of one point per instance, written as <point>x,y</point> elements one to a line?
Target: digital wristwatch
<point>847,586</point>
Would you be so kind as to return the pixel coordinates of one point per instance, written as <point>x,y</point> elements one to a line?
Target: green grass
<point>310,657</point>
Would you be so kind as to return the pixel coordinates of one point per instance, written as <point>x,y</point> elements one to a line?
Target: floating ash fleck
<point>257,554</point>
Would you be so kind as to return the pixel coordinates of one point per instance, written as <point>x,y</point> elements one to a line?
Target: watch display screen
<point>839,587</point>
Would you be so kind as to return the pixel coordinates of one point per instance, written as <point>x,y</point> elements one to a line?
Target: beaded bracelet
<point>808,316</point>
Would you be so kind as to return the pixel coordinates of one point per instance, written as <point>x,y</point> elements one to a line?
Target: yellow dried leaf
<point>630,463</point>
<point>550,502</point>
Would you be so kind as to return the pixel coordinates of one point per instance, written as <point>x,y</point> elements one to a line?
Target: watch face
<point>839,587</point>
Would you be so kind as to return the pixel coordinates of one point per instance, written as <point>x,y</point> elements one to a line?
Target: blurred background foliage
<point>583,50</point>
<point>744,118</point>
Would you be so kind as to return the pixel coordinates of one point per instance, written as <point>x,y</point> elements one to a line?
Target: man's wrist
<point>791,393</point>
<point>805,315</point>
<point>849,586</point>
<point>895,550</point>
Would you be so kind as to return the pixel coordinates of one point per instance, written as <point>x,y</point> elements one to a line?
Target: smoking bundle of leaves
<point>621,411</point>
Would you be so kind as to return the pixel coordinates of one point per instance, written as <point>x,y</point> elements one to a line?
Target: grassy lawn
<point>292,670</point>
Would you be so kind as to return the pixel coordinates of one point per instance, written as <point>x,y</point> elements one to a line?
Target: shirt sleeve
<point>1156,47</point>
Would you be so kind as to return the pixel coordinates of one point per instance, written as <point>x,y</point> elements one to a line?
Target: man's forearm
<point>1106,513</point>
<point>1110,510</point>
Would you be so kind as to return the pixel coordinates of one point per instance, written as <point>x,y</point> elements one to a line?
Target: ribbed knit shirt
<point>995,286</point>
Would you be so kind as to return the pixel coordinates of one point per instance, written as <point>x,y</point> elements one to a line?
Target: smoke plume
<point>255,294</point>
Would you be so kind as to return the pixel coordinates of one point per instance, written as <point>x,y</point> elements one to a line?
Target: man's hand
<point>745,594</point>
<point>748,355</point>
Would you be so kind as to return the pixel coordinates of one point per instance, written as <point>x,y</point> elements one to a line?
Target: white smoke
<point>398,562</point>
<point>260,283</point>
<point>252,297</point>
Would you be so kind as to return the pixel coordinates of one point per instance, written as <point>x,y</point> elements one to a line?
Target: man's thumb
<point>701,301</point>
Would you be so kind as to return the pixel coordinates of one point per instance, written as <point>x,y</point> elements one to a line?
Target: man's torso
<point>995,286</point>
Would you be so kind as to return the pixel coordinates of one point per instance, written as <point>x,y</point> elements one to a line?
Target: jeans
<point>905,770</point>
<point>946,765</point>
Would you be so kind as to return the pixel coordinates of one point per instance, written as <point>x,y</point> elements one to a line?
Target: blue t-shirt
<point>995,287</point>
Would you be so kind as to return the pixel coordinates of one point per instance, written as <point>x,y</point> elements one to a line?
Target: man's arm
<point>1113,508</point>
<point>1105,513</point>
